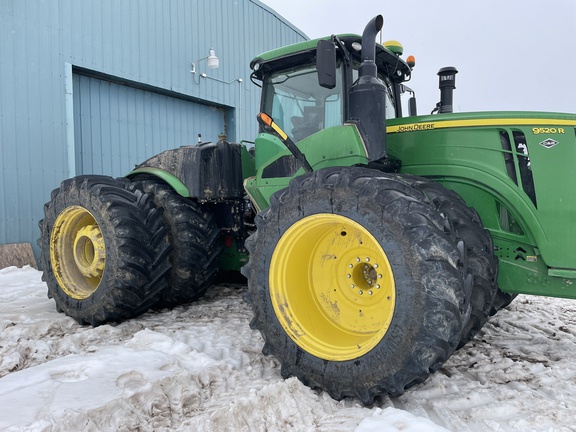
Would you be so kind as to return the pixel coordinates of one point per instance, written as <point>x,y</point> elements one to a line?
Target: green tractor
<point>374,245</point>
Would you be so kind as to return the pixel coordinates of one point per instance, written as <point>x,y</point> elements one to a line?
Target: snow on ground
<point>199,368</point>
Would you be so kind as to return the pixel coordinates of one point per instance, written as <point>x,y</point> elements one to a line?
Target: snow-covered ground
<point>199,368</point>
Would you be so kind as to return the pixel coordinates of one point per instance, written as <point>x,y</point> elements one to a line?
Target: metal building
<point>96,86</point>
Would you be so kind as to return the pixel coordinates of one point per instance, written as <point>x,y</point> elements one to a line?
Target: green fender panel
<point>171,179</point>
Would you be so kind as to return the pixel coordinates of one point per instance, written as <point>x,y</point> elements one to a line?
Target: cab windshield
<point>301,107</point>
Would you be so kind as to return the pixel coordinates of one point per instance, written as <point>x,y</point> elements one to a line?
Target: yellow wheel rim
<point>77,252</point>
<point>332,287</point>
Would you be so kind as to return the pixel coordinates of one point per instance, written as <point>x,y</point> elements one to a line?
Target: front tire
<point>102,250</point>
<point>356,283</point>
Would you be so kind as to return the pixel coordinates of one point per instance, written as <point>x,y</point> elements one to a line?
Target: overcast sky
<point>510,54</point>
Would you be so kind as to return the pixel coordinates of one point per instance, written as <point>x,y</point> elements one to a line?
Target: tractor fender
<point>210,172</point>
<point>169,178</point>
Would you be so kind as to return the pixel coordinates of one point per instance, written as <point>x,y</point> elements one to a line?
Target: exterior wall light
<point>211,61</point>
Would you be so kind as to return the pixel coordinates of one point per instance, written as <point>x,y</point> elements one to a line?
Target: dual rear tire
<point>103,250</point>
<point>111,248</point>
<point>194,238</point>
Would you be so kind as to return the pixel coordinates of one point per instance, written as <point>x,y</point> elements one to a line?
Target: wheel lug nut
<point>369,292</point>
<point>367,259</point>
<point>360,292</point>
<point>379,276</point>
<point>377,286</point>
<point>350,266</point>
<point>352,286</point>
<point>375,265</point>
<point>357,259</point>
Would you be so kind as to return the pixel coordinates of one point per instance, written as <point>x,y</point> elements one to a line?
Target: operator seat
<point>309,123</point>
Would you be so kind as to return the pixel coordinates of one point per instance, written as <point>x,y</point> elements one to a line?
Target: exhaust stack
<point>368,65</point>
<point>367,96</point>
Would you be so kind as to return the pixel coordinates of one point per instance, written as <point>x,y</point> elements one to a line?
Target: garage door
<point>117,126</point>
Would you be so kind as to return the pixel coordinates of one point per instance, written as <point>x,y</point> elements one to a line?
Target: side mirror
<point>326,63</point>
<point>412,111</point>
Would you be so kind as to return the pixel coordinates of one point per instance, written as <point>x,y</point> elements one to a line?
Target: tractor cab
<point>295,91</point>
<point>317,96</point>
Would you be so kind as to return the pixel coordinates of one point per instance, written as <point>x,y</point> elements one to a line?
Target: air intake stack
<point>447,84</point>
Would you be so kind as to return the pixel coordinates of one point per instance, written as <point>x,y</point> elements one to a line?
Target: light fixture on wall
<point>211,61</point>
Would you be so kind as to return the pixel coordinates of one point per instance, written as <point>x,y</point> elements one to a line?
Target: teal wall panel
<point>117,126</point>
<point>149,44</point>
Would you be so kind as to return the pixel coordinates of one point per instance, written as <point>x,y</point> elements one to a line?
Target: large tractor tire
<point>104,250</point>
<point>482,263</point>
<point>357,283</point>
<point>195,240</point>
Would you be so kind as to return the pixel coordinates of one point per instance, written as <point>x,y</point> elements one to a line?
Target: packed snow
<point>199,368</point>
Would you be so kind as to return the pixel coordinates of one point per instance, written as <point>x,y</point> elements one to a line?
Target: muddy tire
<point>103,250</point>
<point>356,283</point>
<point>482,263</point>
<point>195,240</point>
<point>502,300</point>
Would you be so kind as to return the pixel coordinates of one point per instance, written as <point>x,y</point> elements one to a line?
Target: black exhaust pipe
<point>368,65</point>
<point>367,96</point>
